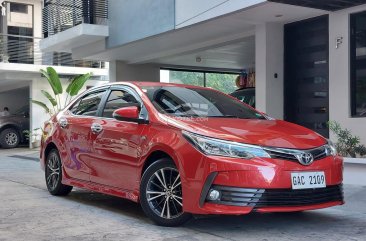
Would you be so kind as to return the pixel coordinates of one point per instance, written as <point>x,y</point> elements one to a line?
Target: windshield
<point>197,102</point>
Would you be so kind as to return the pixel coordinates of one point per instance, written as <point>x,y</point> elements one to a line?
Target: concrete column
<point>120,71</point>
<point>269,64</point>
<point>112,71</point>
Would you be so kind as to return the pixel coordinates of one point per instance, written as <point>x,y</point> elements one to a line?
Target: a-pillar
<point>269,64</point>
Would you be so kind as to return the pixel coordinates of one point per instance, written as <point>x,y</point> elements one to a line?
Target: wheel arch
<point>153,157</point>
<point>10,126</point>
<point>48,148</point>
<point>15,127</point>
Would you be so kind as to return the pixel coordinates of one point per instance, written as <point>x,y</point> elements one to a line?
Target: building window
<point>18,8</point>
<point>21,31</point>
<point>358,64</point>
<point>221,81</point>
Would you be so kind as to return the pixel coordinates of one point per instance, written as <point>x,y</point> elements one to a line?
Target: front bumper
<point>260,185</point>
<point>265,198</point>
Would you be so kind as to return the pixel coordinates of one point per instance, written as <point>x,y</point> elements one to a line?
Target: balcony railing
<point>25,50</point>
<point>60,15</point>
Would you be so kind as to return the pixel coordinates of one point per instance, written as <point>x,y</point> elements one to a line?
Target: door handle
<point>96,128</point>
<point>63,122</point>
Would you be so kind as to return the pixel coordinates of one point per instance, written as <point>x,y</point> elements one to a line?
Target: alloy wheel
<point>11,139</point>
<point>53,171</point>
<point>164,193</point>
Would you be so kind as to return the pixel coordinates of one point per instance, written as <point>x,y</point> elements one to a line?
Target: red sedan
<point>180,150</point>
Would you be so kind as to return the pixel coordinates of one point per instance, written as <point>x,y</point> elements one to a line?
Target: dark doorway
<point>307,74</point>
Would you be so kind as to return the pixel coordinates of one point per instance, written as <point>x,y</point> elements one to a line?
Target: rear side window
<point>88,104</point>
<point>118,99</point>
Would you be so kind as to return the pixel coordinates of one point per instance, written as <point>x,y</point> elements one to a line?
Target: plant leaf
<point>78,83</point>
<point>49,97</point>
<point>70,84</point>
<point>44,73</point>
<point>41,104</point>
<point>54,80</point>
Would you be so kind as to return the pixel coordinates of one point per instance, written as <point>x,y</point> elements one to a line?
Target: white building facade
<point>307,55</point>
<point>21,59</point>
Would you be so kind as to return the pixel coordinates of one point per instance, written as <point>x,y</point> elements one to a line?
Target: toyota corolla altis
<point>180,150</point>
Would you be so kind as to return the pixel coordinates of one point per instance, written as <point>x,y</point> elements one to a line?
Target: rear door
<point>77,124</point>
<point>117,145</point>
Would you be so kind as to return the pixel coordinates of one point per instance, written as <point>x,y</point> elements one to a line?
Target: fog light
<point>213,195</point>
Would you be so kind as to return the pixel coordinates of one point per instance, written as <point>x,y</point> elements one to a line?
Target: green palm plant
<point>75,85</point>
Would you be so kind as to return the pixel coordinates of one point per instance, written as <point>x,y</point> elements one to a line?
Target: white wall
<point>339,73</point>
<point>188,12</point>
<point>14,99</point>
<point>269,47</point>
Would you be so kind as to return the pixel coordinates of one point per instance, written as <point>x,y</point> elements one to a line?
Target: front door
<point>306,74</point>
<point>117,143</point>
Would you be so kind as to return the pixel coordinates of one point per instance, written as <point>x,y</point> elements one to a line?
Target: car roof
<point>141,84</point>
<point>152,84</point>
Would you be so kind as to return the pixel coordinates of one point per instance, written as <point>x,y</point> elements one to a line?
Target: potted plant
<point>34,137</point>
<point>55,98</point>
<point>347,144</point>
<point>353,152</point>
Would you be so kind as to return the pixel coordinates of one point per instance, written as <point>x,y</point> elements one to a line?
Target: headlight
<point>217,147</point>
<point>332,150</point>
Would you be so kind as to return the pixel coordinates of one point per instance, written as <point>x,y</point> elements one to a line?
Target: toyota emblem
<point>305,158</point>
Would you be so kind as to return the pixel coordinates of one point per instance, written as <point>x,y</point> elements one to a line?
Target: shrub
<point>347,144</point>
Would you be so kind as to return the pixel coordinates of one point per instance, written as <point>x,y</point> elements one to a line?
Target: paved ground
<point>28,212</point>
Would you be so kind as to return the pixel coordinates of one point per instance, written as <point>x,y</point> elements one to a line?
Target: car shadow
<point>107,202</point>
<point>252,222</point>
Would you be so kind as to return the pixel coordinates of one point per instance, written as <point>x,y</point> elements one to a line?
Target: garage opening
<point>14,118</point>
<point>229,68</point>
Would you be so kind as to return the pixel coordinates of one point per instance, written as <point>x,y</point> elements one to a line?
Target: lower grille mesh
<point>277,197</point>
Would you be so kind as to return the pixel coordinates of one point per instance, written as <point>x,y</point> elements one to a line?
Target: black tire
<point>53,175</point>
<point>163,206</point>
<point>9,138</point>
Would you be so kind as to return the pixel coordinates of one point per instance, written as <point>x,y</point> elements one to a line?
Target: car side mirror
<point>128,113</point>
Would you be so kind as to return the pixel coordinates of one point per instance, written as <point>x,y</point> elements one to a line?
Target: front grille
<point>290,154</point>
<point>258,198</point>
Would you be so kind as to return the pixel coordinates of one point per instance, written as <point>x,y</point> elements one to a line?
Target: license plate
<point>306,180</point>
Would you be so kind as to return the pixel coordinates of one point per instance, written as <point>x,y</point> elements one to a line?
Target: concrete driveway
<point>28,212</point>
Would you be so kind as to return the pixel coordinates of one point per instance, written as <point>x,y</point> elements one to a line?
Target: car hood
<point>270,133</point>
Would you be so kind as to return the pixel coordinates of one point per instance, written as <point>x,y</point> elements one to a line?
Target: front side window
<point>198,102</point>
<point>118,99</point>
<point>88,105</point>
<point>358,65</point>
